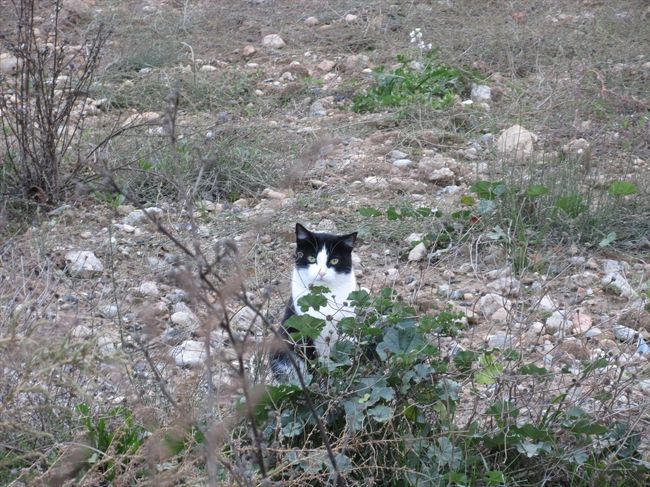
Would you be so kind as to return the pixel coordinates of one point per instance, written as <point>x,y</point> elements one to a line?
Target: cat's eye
<point>311,259</point>
<point>334,261</point>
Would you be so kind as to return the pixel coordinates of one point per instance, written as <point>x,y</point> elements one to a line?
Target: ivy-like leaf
<point>368,211</point>
<point>304,326</point>
<point>537,190</point>
<point>400,341</point>
<point>381,413</point>
<point>312,300</point>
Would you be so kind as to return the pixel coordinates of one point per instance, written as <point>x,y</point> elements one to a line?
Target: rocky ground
<point>103,279</point>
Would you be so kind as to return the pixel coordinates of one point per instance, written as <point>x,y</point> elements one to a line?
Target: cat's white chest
<point>340,287</point>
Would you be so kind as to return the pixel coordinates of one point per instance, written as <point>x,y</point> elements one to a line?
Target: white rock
<point>610,266</point>
<point>481,93</point>
<point>274,41</point>
<point>249,51</point>
<point>190,353</point>
<point>581,323</point>
<point>83,263</point>
<point>402,163</point>
<point>623,333</point>
<point>273,194</point>
<point>107,311</point>
<point>577,147</point>
<point>418,253</point>
<point>414,237</point>
<point>439,176</point>
<point>593,332</point>
<point>619,284</point>
<point>492,302</point>
<point>311,21</point>
<point>8,63</point>
<point>516,142</point>
<point>349,18</point>
<point>106,344</point>
<point>505,286</point>
<point>500,340</point>
<point>546,304</point>
<point>184,319</point>
<point>136,216</point>
<point>244,318</point>
<point>356,62</point>
<point>501,315</point>
<point>397,154</point>
<point>208,68</point>
<point>326,65</point>
<point>557,321</point>
<point>149,289</point>
<point>82,331</point>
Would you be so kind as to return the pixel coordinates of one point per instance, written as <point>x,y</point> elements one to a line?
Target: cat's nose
<point>322,272</point>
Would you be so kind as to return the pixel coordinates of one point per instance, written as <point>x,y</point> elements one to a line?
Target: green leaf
<point>586,427</point>
<point>304,326</point>
<point>491,370</point>
<point>488,190</point>
<point>293,428</point>
<point>368,211</point>
<point>381,392</point>
<point>468,200</point>
<point>381,413</point>
<point>611,237</point>
<point>532,369</point>
<point>424,211</point>
<point>495,477</point>
<point>537,190</point>
<point>359,299</point>
<point>312,300</point>
<point>572,205</point>
<point>533,449</point>
<point>464,360</point>
<point>621,188</point>
<point>272,398</point>
<point>392,214</point>
<point>400,341</point>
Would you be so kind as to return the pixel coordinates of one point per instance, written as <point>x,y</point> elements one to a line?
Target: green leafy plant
<point>427,82</point>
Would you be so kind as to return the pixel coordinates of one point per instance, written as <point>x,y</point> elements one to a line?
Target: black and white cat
<point>322,259</point>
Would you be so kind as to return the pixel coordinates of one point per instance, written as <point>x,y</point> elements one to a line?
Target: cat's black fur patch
<point>309,244</point>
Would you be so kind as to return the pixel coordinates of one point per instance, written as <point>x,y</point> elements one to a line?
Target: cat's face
<point>321,257</point>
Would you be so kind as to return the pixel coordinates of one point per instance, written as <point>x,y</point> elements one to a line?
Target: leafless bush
<point>43,104</point>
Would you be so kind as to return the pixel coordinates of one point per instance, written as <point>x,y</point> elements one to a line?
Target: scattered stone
<point>82,331</point>
<point>437,168</point>
<point>149,289</point>
<point>349,18</point>
<point>557,321</point>
<point>249,51</point>
<point>208,68</point>
<point>610,266</point>
<point>442,176</point>
<point>326,66</point>
<point>311,21</point>
<point>83,263</point>
<point>501,315</point>
<point>623,333</point>
<point>106,344</point>
<point>619,285</point>
<point>273,194</point>
<point>492,302</point>
<point>500,340</point>
<point>395,155</point>
<point>414,237</point>
<point>402,163</point>
<point>273,41</point>
<point>244,319</point>
<point>507,286</point>
<point>86,235</point>
<point>108,311</point>
<point>176,296</point>
<point>137,216</point>
<point>516,142</point>
<point>418,253</point>
<point>190,353</point>
<point>317,110</point>
<point>481,93</point>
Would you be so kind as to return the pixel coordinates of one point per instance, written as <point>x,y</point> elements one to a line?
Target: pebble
<point>273,194</point>
<point>349,18</point>
<point>397,154</point>
<point>618,283</point>
<point>311,21</point>
<point>481,93</point>
<point>417,253</point>
<point>184,319</point>
<point>507,286</point>
<point>414,237</point>
<point>273,41</point>
<point>8,63</point>
<point>501,315</point>
<point>326,65</point>
<point>83,263</point>
<point>581,323</point>
<point>623,333</point>
<point>500,340</point>
<point>557,321</point>
<point>317,110</point>
<point>137,216</point>
<point>356,62</point>
<point>107,311</point>
<point>546,304</point>
<point>208,68</point>
<point>492,302</point>
<point>249,51</point>
<point>82,331</point>
<point>593,332</point>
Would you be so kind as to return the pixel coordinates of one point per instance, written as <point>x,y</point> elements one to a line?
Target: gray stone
<point>149,289</point>
<point>507,286</point>
<point>184,319</point>
<point>417,253</point>
<point>492,302</point>
<point>190,353</point>
<point>611,266</point>
<point>137,216</point>
<point>356,62</point>
<point>618,283</point>
<point>8,63</point>
<point>397,154</point>
<point>500,340</point>
<point>402,163</point>
<point>273,41</point>
<point>593,332</point>
<point>311,21</point>
<point>317,110</point>
<point>107,311</point>
<point>623,333</point>
<point>83,263</point>
<point>557,321</point>
<point>481,93</point>
<point>546,304</point>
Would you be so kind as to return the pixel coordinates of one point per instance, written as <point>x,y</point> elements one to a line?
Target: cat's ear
<point>349,239</point>
<point>302,233</point>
